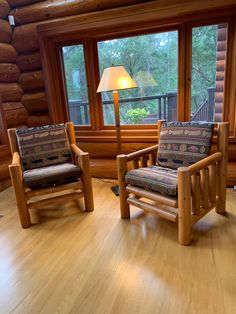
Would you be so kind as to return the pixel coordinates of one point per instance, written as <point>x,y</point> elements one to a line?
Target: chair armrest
<point>15,168</point>
<point>141,152</point>
<point>16,160</point>
<point>205,162</point>
<point>76,150</point>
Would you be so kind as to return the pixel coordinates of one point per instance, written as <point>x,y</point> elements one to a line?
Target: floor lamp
<point>115,78</point>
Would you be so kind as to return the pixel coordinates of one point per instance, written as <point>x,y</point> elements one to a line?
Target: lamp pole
<point>117,120</point>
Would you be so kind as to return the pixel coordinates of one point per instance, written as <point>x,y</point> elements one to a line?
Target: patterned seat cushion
<point>51,175</point>
<point>43,146</point>
<point>154,178</point>
<point>183,143</point>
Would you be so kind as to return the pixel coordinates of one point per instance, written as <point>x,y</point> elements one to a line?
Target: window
<point>152,61</point>
<point>208,72</point>
<point>76,84</point>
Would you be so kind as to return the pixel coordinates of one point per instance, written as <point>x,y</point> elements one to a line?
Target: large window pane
<point>208,72</point>
<point>76,84</point>
<point>152,60</point>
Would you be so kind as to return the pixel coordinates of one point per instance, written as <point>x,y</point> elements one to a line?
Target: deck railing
<point>166,105</point>
<point>166,108</point>
<point>205,112</point>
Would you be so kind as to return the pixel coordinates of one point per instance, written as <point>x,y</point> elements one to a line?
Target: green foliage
<point>135,116</point>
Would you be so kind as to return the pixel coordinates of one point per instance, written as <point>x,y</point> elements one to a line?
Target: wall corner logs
<point>10,90</point>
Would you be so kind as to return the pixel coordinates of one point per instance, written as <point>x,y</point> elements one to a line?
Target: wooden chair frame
<point>25,197</point>
<point>201,186</point>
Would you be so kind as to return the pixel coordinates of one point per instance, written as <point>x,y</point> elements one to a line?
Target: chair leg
<point>122,169</point>
<point>87,182</point>
<point>21,202</point>
<point>223,148</point>
<point>220,208</point>
<point>184,206</point>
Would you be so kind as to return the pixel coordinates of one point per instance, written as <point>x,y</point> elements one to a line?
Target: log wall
<point>12,111</point>
<point>24,40</point>
<point>220,71</point>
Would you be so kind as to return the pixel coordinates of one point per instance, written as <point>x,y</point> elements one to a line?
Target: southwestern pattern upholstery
<point>43,146</point>
<point>183,143</point>
<point>154,178</point>
<point>51,175</point>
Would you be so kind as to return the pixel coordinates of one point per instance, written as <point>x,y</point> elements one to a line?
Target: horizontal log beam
<point>165,213</point>
<point>50,201</point>
<point>5,31</point>
<point>36,102</point>
<point>219,97</point>
<point>15,114</point>
<point>29,62</point>
<point>31,80</point>
<point>10,92</point>
<point>222,45</point>
<point>204,163</point>
<point>57,8</point>
<point>4,9</point>
<point>220,65</point>
<point>63,187</point>
<point>7,53</point>
<point>221,55</point>
<point>220,75</point>
<point>219,86</point>
<point>25,38</point>
<point>38,120</point>
<point>19,3</point>
<point>169,201</point>
<point>222,34</point>
<point>9,72</point>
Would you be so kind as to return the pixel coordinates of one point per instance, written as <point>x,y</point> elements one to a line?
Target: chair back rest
<point>181,144</point>
<point>43,146</point>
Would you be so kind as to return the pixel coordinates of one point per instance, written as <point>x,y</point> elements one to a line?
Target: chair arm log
<point>207,161</point>
<point>76,150</point>
<point>141,152</point>
<point>16,160</point>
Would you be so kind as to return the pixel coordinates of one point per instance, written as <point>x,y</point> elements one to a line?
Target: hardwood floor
<point>75,262</point>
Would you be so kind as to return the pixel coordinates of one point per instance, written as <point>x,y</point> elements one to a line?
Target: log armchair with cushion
<point>47,167</point>
<point>180,179</point>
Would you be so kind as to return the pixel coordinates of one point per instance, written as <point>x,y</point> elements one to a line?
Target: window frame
<point>201,23</point>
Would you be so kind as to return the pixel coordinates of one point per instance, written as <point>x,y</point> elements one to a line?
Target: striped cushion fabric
<point>51,175</point>
<point>43,146</point>
<point>154,178</point>
<point>183,143</point>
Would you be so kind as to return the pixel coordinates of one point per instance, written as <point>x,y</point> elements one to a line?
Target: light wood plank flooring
<point>75,262</point>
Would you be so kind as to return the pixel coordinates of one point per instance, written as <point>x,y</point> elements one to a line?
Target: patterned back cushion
<point>43,146</point>
<point>183,143</point>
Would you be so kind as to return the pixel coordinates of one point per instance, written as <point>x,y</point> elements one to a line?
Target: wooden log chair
<point>180,178</point>
<point>48,167</point>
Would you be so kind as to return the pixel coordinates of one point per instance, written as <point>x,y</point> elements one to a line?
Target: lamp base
<point>115,190</point>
